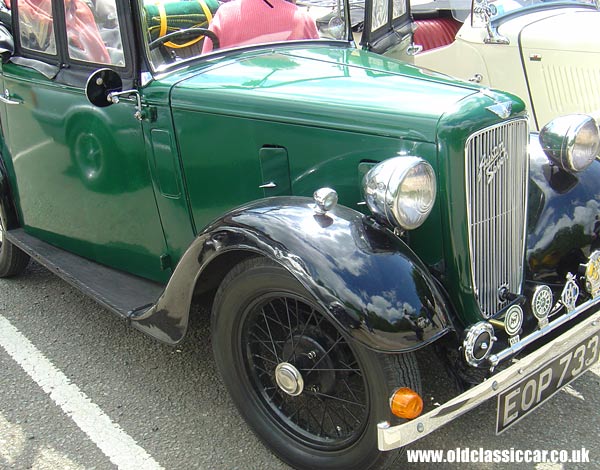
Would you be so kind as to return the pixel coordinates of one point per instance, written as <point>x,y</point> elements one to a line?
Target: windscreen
<point>461,9</point>
<point>179,30</point>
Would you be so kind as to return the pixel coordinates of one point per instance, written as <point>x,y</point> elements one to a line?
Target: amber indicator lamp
<point>406,403</point>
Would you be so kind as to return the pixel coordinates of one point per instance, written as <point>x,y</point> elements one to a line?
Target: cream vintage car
<point>546,52</point>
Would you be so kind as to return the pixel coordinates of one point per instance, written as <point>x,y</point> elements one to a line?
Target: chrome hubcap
<point>289,379</point>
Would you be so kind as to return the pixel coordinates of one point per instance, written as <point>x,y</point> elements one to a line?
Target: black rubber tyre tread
<point>395,370</point>
<point>13,260</point>
<point>402,368</point>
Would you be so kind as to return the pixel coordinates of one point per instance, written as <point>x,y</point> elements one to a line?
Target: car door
<point>82,175</point>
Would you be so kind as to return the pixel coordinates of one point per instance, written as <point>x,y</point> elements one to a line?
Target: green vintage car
<point>338,210</point>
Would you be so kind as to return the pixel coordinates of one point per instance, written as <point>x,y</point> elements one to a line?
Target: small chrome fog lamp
<point>478,342</point>
<point>400,191</point>
<point>572,141</point>
<point>325,199</point>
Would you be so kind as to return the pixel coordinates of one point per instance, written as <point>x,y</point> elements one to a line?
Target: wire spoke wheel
<point>311,393</point>
<point>304,371</point>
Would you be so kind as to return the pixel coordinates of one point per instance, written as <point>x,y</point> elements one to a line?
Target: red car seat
<point>435,32</point>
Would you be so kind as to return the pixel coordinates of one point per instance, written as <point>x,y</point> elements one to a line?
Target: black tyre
<point>13,261</point>
<point>311,394</point>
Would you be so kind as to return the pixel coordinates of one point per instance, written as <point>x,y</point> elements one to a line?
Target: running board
<point>122,293</point>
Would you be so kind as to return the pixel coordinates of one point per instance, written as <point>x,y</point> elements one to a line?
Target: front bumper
<point>392,437</point>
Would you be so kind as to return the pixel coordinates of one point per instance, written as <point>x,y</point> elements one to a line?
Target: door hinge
<point>149,113</point>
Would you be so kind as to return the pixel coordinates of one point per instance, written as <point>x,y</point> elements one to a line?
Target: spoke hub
<point>310,355</point>
<point>289,379</point>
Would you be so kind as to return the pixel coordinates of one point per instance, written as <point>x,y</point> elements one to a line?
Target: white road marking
<point>12,441</point>
<point>549,466</point>
<point>116,444</point>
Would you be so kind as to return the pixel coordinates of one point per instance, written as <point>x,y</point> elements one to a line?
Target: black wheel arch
<point>366,279</point>
<point>6,199</point>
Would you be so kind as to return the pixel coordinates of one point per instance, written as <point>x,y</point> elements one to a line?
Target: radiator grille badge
<point>570,293</point>
<point>501,109</point>
<point>592,274</point>
<point>513,320</point>
<point>541,304</point>
<point>492,162</point>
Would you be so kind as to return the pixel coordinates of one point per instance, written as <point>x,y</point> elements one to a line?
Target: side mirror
<point>7,44</point>
<point>105,87</point>
<point>101,86</point>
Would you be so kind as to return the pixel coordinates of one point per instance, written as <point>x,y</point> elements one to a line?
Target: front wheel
<point>309,392</point>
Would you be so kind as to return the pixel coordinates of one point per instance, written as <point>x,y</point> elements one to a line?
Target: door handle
<point>5,98</point>
<point>414,49</point>
<point>476,78</point>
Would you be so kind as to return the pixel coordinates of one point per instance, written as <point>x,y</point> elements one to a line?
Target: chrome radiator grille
<point>497,171</point>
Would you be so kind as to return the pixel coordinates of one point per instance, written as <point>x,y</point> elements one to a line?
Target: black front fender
<point>363,276</point>
<point>564,218</point>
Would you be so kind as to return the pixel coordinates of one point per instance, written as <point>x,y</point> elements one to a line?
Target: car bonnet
<point>340,88</point>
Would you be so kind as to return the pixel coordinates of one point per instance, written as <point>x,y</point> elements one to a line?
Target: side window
<point>93,32</point>
<point>379,17</point>
<point>399,8</point>
<point>36,25</point>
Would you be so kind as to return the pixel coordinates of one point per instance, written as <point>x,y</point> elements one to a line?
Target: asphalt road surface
<point>168,407</point>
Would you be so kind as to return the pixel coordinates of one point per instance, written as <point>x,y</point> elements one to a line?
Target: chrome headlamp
<point>572,141</point>
<point>400,191</point>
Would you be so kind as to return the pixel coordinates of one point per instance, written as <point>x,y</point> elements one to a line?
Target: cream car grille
<point>497,171</point>
<point>572,89</point>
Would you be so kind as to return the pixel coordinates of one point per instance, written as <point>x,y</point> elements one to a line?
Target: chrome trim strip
<point>496,189</point>
<point>392,437</point>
